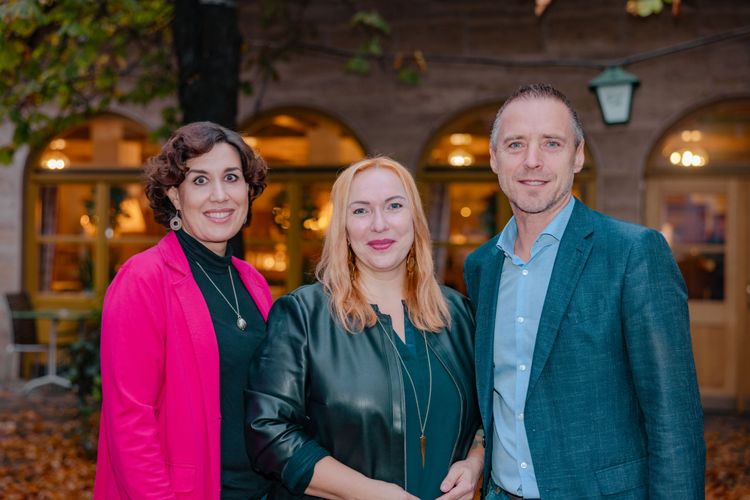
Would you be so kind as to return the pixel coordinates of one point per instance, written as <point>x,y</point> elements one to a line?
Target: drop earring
<point>175,223</point>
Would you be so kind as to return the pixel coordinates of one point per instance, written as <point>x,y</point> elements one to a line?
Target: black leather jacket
<point>317,390</point>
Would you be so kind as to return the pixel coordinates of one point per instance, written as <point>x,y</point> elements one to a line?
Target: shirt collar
<point>556,227</point>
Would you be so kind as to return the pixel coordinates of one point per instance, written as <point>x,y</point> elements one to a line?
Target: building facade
<point>681,164</point>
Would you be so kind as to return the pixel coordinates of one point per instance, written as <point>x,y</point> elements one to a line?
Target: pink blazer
<point>160,423</point>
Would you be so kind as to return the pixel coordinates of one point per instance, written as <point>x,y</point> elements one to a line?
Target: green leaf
<point>410,76</point>
<point>371,19</point>
<point>358,65</point>
<point>372,47</point>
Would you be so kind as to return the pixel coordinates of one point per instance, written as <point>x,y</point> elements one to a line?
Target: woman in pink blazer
<point>180,324</point>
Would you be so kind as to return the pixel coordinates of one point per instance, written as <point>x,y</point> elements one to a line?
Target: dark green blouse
<point>441,428</point>
<point>236,348</point>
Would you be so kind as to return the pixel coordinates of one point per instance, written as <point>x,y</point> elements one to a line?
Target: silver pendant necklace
<point>241,323</point>
<point>422,423</point>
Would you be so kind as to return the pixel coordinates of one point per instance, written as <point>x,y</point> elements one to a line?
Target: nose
<point>218,192</point>
<point>379,221</point>
<point>533,158</point>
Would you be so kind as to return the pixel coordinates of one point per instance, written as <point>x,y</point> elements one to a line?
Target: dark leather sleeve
<point>275,402</point>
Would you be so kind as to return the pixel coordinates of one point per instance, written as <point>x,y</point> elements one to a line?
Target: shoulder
<point>145,265</point>
<point>307,297</point>
<point>458,304</point>
<point>622,233</point>
<point>454,298</point>
<point>483,252</point>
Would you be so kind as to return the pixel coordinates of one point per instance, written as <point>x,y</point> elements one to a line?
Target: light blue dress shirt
<point>523,288</point>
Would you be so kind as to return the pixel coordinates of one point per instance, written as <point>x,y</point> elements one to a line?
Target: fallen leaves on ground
<point>42,457</point>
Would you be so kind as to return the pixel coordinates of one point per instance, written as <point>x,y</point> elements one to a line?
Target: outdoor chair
<point>23,333</point>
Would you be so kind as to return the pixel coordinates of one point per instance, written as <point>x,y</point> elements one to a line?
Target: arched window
<point>698,196</point>
<point>463,199</point>
<point>305,149</point>
<point>85,210</point>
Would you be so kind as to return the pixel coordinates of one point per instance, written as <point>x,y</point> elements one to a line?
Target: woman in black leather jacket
<point>364,385</point>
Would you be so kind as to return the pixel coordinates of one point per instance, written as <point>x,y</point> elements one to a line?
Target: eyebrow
<point>391,198</point>
<point>545,136</point>
<point>205,172</point>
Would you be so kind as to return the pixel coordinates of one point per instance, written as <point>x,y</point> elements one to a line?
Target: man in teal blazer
<point>585,373</point>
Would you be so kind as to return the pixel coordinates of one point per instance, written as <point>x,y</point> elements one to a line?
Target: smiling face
<point>536,156</point>
<point>379,221</point>
<point>213,198</point>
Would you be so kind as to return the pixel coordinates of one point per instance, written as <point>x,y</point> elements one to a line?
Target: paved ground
<point>41,452</point>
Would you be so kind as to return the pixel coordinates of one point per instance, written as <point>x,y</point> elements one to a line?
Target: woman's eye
<point>359,211</point>
<point>200,180</point>
<point>395,205</point>
<point>231,177</point>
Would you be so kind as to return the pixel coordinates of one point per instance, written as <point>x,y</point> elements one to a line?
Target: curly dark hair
<point>168,168</point>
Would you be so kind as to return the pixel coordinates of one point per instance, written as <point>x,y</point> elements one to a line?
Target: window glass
<point>695,227</point>
<point>65,267</point>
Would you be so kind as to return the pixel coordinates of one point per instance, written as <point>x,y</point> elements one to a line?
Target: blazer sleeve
<point>657,333</point>
<point>276,404</point>
<point>132,364</point>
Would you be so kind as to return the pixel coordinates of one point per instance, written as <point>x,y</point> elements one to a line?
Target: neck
<point>217,247</point>
<point>383,288</point>
<point>531,225</point>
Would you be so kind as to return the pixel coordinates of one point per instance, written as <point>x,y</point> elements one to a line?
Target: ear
<point>578,160</point>
<point>174,197</point>
<point>493,161</point>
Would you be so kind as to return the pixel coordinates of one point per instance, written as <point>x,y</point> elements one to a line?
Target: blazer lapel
<point>572,254</point>
<point>489,282</point>
<point>198,320</point>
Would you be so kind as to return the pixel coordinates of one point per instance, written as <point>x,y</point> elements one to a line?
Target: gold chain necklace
<point>422,423</point>
<point>241,323</point>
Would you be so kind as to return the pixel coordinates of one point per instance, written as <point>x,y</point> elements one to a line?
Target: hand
<point>461,480</point>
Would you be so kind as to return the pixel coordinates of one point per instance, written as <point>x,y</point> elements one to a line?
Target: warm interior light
<point>130,219</point>
<point>460,158</point>
<point>694,157</point>
<point>54,160</point>
<point>465,212</point>
<point>58,144</point>
<point>460,139</point>
<point>691,135</point>
<point>250,141</point>
<point>322,221</point>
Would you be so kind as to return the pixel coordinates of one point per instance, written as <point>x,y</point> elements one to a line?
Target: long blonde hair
<point>337,269</point>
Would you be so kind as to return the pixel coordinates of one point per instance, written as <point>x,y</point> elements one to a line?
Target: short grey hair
<point>537,91</point>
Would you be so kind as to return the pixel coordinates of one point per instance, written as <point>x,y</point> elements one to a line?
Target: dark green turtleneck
<point>236,348</point>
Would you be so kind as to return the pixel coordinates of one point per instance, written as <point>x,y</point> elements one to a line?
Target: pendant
<point>241,323</point>
<point>422,443</point>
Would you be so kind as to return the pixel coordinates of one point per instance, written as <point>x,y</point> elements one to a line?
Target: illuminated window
<point>305,149</point>
<point>714,139</point>
<point>86,210</point>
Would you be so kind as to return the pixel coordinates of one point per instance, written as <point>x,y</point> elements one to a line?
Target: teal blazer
<point>613,409</point>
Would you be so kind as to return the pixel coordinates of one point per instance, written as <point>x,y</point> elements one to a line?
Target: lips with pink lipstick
<point>219,215</point>
<point>381,244</point>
